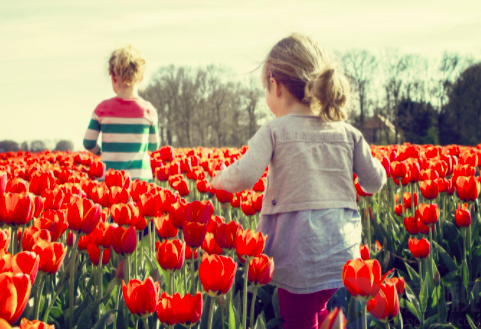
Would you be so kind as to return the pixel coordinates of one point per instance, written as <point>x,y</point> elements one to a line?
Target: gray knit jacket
<point>310,162</point>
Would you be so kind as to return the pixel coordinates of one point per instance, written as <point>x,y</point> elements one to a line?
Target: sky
<point>53,54</point>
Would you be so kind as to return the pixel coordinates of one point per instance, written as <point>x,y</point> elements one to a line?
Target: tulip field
<point>82,247</point>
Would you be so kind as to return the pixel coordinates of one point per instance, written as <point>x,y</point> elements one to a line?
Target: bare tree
<point>360,66</point>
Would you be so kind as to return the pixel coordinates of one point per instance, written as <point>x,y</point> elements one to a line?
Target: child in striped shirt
<point>128,123</point>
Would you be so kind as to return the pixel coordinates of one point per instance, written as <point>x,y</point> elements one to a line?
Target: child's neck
<point>131,92</point>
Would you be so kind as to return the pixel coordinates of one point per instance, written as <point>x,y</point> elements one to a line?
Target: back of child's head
<point>127,65</point>
<point>310,75</point>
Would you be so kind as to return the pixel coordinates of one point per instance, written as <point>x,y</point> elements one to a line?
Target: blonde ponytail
<point>331,92</point>
<point>310,75</point>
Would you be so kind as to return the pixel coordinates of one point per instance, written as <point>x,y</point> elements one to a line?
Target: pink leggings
<point>304,311</point>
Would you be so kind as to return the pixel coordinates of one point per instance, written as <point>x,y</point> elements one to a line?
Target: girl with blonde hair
<point>309,210</point>
<point>128,123</point>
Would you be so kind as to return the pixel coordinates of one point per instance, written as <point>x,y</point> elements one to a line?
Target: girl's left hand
<point>216,183</point>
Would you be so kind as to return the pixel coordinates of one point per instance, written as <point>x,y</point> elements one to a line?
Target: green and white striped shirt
<point>129,131</point>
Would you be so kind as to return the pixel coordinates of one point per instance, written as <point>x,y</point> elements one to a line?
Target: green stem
<point>21,238</point>
<point>99,281</point>
<point>72,281</point>
<point>244,299</point>
<point>146,323</point>
<point>52,301</point>
<point>127,269</point>
<point>431,251</point>
<point>192,273</point>
<point>171,283</point>
<point>150,239</point>
<point>368,228</point>
<point>184,276</point>
<point>135,256</point>
<point>364,314</point>
<point>39,295</point>
<point>253,303</point>
<point>117,300</point>
<point>211,313</point>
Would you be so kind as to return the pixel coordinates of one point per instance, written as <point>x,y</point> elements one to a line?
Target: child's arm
<point>369,170</point>
<point>154,133</point>
<point>244,173</point>
<point>91,136</point>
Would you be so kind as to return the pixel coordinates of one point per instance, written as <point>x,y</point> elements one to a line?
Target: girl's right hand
<point>216,182</point>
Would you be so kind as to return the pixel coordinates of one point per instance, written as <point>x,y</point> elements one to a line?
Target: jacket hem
<point>280,208</point>
<point>309,290</point>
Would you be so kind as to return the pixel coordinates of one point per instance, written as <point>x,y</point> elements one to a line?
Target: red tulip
<point>463,217</point>
<point>16,185</point>
<point>260,270</point>
<point>419,248</point>
<point>34,324</point>
<point>335,320</point>
<point>249,244</point>
<point>411,225</point>
<point>31,236</point>
<point>467,188</point>
<point>217,274</point>
<point>83,216</point>
<point>51,256</point>
<point>54,221</point>
<point>128,215</point>
<point>194,233</point>
<point>210,246</point>
<point>138,188</point>
<point>101,237</point>
<point>181,187</point>
<point>359,189</point>
<point>97,169</point>
<point>202,186</point>
<point>385,305</point>
<point>53,199</point>
<point>41,181</point>
<point>124,240</point>
<point>177,213</point>
<point>118,195</point>
<point>429,189</point>
<point>162,173</point>
<point>166,310</point>
<point>225,235</point>
<point>260,186</point>
<point>164,226</point>
<point>18,209</point>
<point>3,182</point>
<point>223,196</point>
<point>25,262</point>
<point>141,297</point>
<point>15,292</point>
<point>398,209</point>
<point>428,213</point>
<point>423,228</point>
<point>398,282</point>
<point>117,178</point>
<point>166,153</point>
<point>170,254</point>
<point>4,239</point>
<point>398,169</point>
<point>362,278</point>
<point>94,254</point>
<point>199,211</point>
<point>364,252</point>
<point>100,195</point>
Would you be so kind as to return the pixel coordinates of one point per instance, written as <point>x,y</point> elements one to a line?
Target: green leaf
<point>448,261</point>
<point>430,321</point>
<point>412,273</point>
<point>103,320</point>
<point>408,305</point>
<point>423,296</point>
<point>56,312</point>
<point>86,316</point>
<point>238,310</point>
<point>275,303</point>
<point>411,296</point>
<point>470,321</point>
<point>465,275</point>
<point>231,315</point>
<point>120,316</point>
<point>260,323</point>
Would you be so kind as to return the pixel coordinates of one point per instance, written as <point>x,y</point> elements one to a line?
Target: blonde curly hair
<point>310,75</point>
<point>127,65</point>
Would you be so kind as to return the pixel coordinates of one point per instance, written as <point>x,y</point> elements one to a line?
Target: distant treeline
<point>427,101</point>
